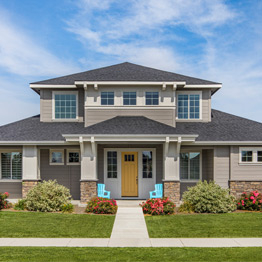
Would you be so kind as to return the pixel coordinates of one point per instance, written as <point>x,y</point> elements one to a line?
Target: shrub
<point>251,201</point>
<point>3,202</point>
<point>158,206</point>
<point>20,205</point>
<point>47,196</point>
<point>186,207</point>
<point>67,208</point>
<point>100,205</point>
<point>209,198</point>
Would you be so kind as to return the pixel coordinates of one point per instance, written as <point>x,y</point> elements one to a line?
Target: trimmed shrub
<point>209,198</point>
<point>158,206</point>
<point>20,205</point>
<point>186,207</point>
<point>100,205</point>
<point>3,202</point>
<point>250,201</point>
<point>67,208</point>
<point>47,196</point>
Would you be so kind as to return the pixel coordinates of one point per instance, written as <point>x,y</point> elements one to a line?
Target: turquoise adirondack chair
<point>158,193</point>
<point>101,192</point>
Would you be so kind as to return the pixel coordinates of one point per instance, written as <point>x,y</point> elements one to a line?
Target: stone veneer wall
<point>27,185</point>
<point>88,189</point>
<point>172,191</point>
<point>238,187</point>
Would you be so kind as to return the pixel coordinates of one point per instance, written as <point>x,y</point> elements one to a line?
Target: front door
<point>129,174</point>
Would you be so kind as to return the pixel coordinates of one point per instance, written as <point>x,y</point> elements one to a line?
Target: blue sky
<point>215,40</point>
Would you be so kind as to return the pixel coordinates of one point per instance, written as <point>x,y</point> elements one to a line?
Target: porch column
<point>88,183</point>
<point>171,178</point>
<point>30,167</point>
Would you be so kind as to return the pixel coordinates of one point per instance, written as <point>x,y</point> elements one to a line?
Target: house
<point>129,127</point>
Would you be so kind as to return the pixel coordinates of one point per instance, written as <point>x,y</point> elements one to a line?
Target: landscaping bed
<point>57,225</point>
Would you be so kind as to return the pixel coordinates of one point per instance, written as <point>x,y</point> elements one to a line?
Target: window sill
<point>189,181</point>
<point>56,164</point>
<point>10,180</point>
<point>66,120</point>
<point>250,164</point>
<point>73,164</point>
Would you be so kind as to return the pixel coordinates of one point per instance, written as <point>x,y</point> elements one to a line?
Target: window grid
<point>73,157</point>
<point>152,98</point>
<point>11,165</point>
<point>65,106</point>
<point>188,106</point>
<point>111,164</point>
<point>190,166</point>
<point>107,98</point>
<point>259,156</point>
<point>147,164</point>
<point>246,156</point>
<point>194,106</point>
<point>183,106</point>
<point>129,98</point>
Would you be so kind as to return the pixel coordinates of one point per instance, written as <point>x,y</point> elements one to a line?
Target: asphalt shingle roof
<point>124,72</point>
<point>223,127</point>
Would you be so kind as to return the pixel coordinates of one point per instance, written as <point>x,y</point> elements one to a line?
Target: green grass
<point>31,224</point>
<point>205,225</point>
<point>129,254</point>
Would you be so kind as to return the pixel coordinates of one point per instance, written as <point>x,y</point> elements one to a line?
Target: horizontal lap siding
<point>207,164</point>
<point>206,106</point>
<point>67,175</point>
<point>184,187</point>
<point>243,172</point>
<point>93,116</point>
<point>13,188</point>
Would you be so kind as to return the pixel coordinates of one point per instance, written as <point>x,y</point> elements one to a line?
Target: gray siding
<point>46,104</point>
<point>207,164</point>
<point>243,172</point>
<point>222,165</point>
<point>159,159</point>
<point>13,188</point>
<point>93,116</point>
<point>67,175</point>
<point>184,187</point>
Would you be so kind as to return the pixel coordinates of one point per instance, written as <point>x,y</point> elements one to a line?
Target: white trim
<point>105,106</point>
<point>128,83</point>
<point>53,106</point>
<point>204,86</point>
<point>68,150</point>
<point>51,86</point>
<point>15,143</point>
<point>158,105</point>
<point>58,151</point>
<point>122,98</point>
<point>228,143</point>
<point>254,156</point>
<point>154,107</point>
<point>200,106</point>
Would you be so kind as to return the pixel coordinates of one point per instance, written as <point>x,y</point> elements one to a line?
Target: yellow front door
<point>129,174</point>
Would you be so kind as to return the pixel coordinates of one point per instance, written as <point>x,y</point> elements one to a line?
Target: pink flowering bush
<point>3,202</point>
<point>250,201</point>
<point>158,206</point>
<point>100,205</point>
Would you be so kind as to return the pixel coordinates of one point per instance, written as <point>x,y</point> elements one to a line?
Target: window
<point>65,106</point>
<point>247,156</point>
<point>152,98</point>
<point>73,157</point>
<point>56,157</point>
<point>259,156</point>
<point>129,98</point>
<point>112,164</point>
<point>107,98</point>
<point>190,166</point>
<point>147,164</point>
<point>11,165</point>
<point>251,155</point>
<point>129,158</point>
<point>188,106</point>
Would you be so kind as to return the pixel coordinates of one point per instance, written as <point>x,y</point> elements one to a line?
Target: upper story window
<point>152,98</point>
<point>11,165</point>
<point>107,98</point>
<point>65,105</point>
<point>188,106</point>
<point>129,98</point>
<point>250,155</point>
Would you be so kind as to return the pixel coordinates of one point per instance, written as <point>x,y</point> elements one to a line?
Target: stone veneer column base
<point>27,185</point>
<point>88,190</point>
<point>238,187</point>
<point>172,191</point>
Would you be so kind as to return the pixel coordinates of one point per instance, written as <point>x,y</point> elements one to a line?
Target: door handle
<point>136,180</point>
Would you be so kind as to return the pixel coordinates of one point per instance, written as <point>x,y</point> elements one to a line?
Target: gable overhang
<point>228,143</point>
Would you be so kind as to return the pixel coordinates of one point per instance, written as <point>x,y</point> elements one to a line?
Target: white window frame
<point>254,155</point>
<point>200,105</point>
<point>107,92</point>
<point>50,157</point>
<point>129,91</point>
<point>200,167</point>
<point>151,92</point>
<point>53,106</point>
<point>67,157</point>
<point>10,151</point>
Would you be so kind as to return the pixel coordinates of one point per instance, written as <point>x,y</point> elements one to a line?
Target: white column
<point>88,161</point>
<point>30,163</point>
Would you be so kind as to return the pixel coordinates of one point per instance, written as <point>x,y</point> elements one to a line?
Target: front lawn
<point>34,224</point>
<point>205,225</point>
<point>129,254</point>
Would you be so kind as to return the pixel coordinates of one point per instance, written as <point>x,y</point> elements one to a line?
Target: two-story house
<point>129,127</point>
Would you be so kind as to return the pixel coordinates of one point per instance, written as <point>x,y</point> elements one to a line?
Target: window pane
<point>152,98</point>
<point>16,165</point>
<point>57,157</point>
<point>6,165</point>
<point>183,106</point>
<point>65,104</point>
<point>73,157</point>
<point>147,164</point>
<point>259,156</point>
<point>129,98</point>
<point>184,165</point>
<point>194,106</point>
<point>194,165</point>
<point>247,156</point>
<point>112,164</point>
<point>107,98</point>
